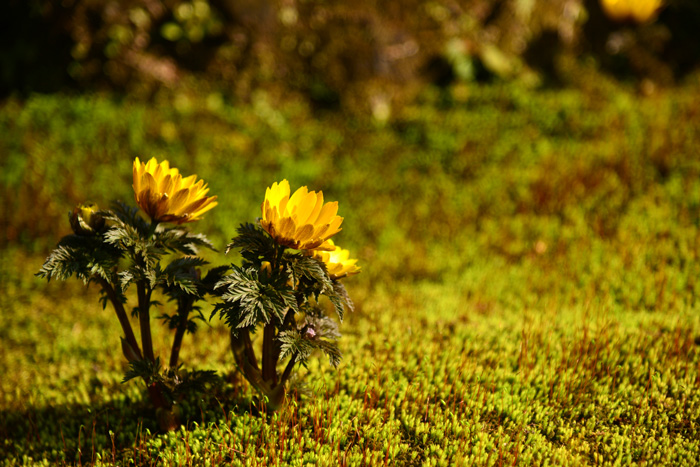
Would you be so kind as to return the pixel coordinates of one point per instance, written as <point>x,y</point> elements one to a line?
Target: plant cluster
<point>289,262</point>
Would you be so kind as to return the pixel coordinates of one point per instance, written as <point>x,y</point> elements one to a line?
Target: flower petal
<point>165,196</point>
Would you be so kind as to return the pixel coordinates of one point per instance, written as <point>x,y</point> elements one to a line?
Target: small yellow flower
<point>165,196</point>
<point>337,262</point>
<point>301,221</point>
<point>84,219</point>
<point>631,10</point>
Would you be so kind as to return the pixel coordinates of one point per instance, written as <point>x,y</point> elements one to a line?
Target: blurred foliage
<point>365,56</point>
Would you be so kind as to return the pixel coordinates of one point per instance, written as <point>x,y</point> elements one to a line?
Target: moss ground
<point>528,296</point>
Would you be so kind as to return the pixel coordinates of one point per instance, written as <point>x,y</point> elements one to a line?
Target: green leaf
<point>171,321</point>
<point>181,274</point>
<point>249,302</point>
<point>307,272</point>
<point>149,371</point>
<point>125,279</point>
<point>123,214</point>
<point>214,275</point>
<point>85,257</point>
<point>187,382</point>
<point>180,240</point>
<point>255,244</point>
<point>330,348</point>
<point>292,344</point>
<point>300,344</point>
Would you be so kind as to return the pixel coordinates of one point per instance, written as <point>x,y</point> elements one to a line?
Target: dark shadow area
<point>35,51</point>
<point>75,433</point>
<point>72,433</point>
<point>664,50</point>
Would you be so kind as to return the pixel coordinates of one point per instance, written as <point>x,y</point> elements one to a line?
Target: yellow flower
<point>301,221</point>
<point>84,220</point>
<point>165,196</point>
<point>635,10</point>
<point>337,262</point>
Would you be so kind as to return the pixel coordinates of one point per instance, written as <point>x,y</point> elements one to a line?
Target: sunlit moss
<point>542,304</point>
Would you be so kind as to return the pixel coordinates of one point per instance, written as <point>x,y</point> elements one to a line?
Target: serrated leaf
<point>192,381</point>
<point>254,243</point>
<point>307,269</point>
<point>84,257</point>
<point>292,344</point>
<point>249,302</point>
<point>295,345</point>
<point>125,278</point>
<point>331,350</point>
<point>180,240</point>
<point>171,321</point>
<point>145,369</point>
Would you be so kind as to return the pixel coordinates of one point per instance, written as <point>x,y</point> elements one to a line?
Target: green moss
<point>528,290</point>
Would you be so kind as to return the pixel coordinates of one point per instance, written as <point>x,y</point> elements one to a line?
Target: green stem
<point>243,352</point>
<point>250,352</point>
<point>183,311</point>
<point>270,355</point>
<point>121,314</point>
<point>155,392</point>
<point>144,296</point>
<point>152,228</point>
<point>289,321</point>
<point>278,257</point>
<point>288,370</point>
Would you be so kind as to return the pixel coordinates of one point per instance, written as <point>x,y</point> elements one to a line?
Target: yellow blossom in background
<point>166,196</point>
<point>635,10</point>
<point>301,221</point>
<point>337,262</point>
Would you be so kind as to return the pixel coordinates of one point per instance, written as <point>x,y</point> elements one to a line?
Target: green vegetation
<point>528,295</point>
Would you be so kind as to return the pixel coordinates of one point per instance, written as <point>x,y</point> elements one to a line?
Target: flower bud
<point>129,351</point>
<point>85,220</point>
<point>310,333</point>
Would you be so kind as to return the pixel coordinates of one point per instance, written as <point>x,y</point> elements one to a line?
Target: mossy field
<point>528,295</point>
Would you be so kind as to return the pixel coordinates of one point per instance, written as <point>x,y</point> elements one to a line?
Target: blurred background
<point>455,134</point>
<point>363,56</point>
